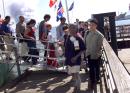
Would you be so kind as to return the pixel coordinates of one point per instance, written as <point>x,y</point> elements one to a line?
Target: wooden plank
<point>120,75</point>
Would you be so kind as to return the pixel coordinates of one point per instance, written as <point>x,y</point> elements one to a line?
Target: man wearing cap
<point>93,41</point>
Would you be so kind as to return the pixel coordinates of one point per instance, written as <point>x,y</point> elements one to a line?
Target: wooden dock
<point>45,81</point>
<point>124,55</point>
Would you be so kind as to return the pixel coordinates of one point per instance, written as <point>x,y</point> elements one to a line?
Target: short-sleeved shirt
<point>42,28</point>
<point>5,28</point>
<point>70,51</point>
<point>20,28</point>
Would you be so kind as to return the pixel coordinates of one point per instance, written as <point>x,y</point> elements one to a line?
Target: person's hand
<point>32,38</point>
<point>8,34</point>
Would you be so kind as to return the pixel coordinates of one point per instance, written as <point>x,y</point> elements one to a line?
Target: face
<point>86,26</point>
<point>32,25</point>
<point>66,31</point>
<point>21,19</point>
<point>92,26</point>
<point>47,19</point>
<point>8,20</point>
<point>63,21</point>
<point>72,30</point>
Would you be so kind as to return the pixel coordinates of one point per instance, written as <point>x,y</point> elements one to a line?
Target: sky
<point>83,9</point>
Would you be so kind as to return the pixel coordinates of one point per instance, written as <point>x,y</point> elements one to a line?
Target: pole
<point>67,11</point>
<point>3,7</point>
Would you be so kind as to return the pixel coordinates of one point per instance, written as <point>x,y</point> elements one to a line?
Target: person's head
<point>62,20</point>
<point>47,17</point>
<point>21,18</point>
<point>73,29</point>
<point>7,19</point>
<point>65,29</point>
<point>31,23</point>
<point>48,26</point>
<point>86,25</point>
<point>92,24</point>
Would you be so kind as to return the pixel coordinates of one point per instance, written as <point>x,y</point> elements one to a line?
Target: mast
<point>3,7</point>
<point>67,11</point>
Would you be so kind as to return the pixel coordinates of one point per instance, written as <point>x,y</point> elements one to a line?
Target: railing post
<point>17,60</point>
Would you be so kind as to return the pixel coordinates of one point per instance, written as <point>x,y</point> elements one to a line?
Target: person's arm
<point>99,42</point>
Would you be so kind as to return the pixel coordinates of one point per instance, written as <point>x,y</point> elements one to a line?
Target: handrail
<point>119,76</point>
<point>17,53</point>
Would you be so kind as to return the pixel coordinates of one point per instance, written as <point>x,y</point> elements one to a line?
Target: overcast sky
<point>82,8</point>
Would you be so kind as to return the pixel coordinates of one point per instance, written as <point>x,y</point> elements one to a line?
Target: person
<point>43,32</point>
<point>42,27</point>
<point>94,41</point>
<point>66,32</point>
<point>31,42</point>
<point>2,47</point>
<point>1,20</point>
<point>20,28</point>
<point>107,29</point>
<point>59,30</point>
<point>51,48</point>
<point>60,34</point>
<point>8,38</point>
<point>74,47</point>
<point>85,34</point>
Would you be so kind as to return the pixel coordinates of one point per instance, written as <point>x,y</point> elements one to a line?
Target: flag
<point>71,7</point>
<point>52,2</point>
<point>60,11</point>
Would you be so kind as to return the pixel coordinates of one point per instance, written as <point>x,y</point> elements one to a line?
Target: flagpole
<point>67,12</point>
<point>3,7</point>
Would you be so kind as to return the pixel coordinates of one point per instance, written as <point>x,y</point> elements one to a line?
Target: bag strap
<point>86,33</point>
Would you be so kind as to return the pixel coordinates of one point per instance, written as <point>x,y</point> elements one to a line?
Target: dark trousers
<point>2,47</point>
<point>32,44</point>
<point>94,69</point>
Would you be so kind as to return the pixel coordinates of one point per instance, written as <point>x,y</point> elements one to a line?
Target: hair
<point>65,27</point>
<point>93,21</point>
<point>74,27</point>
<point>7,17</point>
<point>21,16</point>
<point>47,16</point>
<point>62,18</point>
<point>32,21</point>
<point>48,25</point>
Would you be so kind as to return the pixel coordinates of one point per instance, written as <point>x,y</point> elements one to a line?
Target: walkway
<point>124,55</point>
<point>54,82</point>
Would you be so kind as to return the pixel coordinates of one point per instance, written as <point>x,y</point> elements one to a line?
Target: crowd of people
<point>79,41</point>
